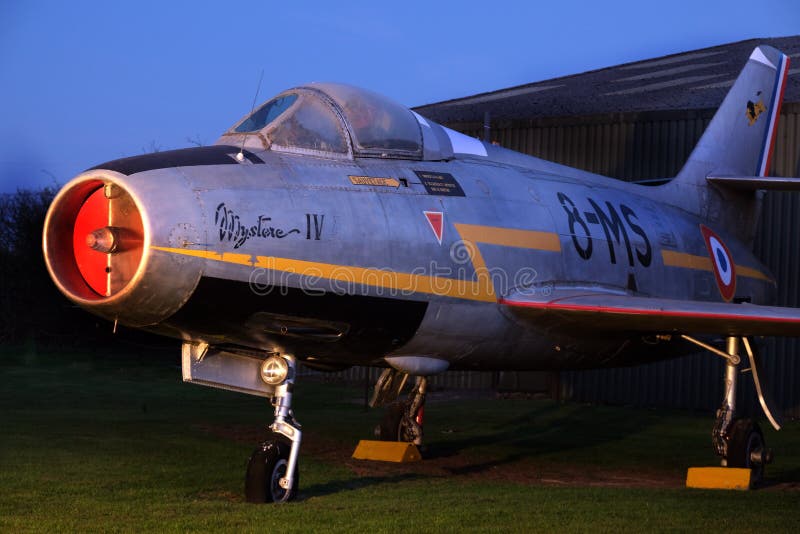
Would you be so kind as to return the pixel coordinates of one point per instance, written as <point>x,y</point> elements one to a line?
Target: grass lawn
<point>121,444</point>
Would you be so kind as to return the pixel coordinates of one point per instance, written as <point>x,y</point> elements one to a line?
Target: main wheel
<point>746,448</point>
<point>266,467</point>
<point>394,426</point>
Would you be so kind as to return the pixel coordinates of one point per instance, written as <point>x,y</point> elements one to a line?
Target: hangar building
<point>639,122</point>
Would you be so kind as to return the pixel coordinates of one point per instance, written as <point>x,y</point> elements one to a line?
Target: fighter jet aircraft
<point>334,227</point>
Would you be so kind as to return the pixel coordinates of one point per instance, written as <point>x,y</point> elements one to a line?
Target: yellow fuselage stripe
<point>509,237</point>
<point>672,258</point>
<point>473,234</point>
<point>481,289</point>
<point>391,280</point>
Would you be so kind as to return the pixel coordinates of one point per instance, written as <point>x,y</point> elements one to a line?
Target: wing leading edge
<point>626,313</point>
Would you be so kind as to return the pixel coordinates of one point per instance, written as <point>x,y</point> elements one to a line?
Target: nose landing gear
<point>272,468</point>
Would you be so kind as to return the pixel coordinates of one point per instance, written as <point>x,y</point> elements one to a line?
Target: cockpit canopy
<point>336,119</point>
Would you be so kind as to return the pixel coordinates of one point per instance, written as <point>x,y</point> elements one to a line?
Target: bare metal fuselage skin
<point>289,253</point>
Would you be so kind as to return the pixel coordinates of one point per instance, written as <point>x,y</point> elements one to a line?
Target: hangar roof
<point>698,79</point>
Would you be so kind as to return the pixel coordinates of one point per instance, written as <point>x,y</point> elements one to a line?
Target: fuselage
<point>340,261</point>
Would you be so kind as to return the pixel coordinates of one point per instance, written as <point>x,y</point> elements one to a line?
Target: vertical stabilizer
<point>738,142</point>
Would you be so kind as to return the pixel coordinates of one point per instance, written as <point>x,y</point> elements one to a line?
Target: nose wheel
<point>266,468</point>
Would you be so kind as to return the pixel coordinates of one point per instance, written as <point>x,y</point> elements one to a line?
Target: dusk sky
<point>86,82</point>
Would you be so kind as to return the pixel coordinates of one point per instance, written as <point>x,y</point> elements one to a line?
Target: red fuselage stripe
<point>644,311</point>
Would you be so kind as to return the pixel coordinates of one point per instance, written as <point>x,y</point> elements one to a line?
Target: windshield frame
<point>264,135</point>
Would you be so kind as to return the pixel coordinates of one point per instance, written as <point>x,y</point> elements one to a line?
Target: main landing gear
<point>272,468</point>
<point>402,420</point>
<point>740,442</point>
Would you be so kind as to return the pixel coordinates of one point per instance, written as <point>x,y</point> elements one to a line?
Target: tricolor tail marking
<point>765,159</point>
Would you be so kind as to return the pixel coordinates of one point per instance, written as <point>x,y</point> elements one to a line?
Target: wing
<point>611,312</point>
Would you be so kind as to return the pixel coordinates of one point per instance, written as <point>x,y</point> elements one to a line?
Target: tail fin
<point>738,142</point>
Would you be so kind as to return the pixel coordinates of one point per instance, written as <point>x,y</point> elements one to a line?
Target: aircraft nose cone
<point>102,240</point>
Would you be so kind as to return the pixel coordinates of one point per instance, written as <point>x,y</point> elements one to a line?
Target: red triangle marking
<point>436,220</point>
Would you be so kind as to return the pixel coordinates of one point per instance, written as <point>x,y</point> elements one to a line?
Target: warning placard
<point>440,183</point>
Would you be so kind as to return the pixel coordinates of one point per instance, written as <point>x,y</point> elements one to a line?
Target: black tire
<point>745,439</point>
<point>265,468</point>
<point>391,425</point>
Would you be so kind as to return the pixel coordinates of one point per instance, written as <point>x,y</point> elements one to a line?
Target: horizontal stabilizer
<point>615,312</point>
<point>754,183</point>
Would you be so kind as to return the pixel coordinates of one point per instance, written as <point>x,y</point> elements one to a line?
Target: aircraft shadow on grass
<point>352,484</point>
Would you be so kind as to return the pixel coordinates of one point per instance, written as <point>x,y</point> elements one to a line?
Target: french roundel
<point>721,262</point>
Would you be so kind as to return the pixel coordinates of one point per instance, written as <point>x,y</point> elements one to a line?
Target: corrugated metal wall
<point>448,380</point>
<point>636,146</point>
<point>503,380</point>
<point>644,146</point>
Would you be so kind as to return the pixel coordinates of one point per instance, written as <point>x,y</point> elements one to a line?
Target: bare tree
<point>195,140</point>
<point>152,148</point>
